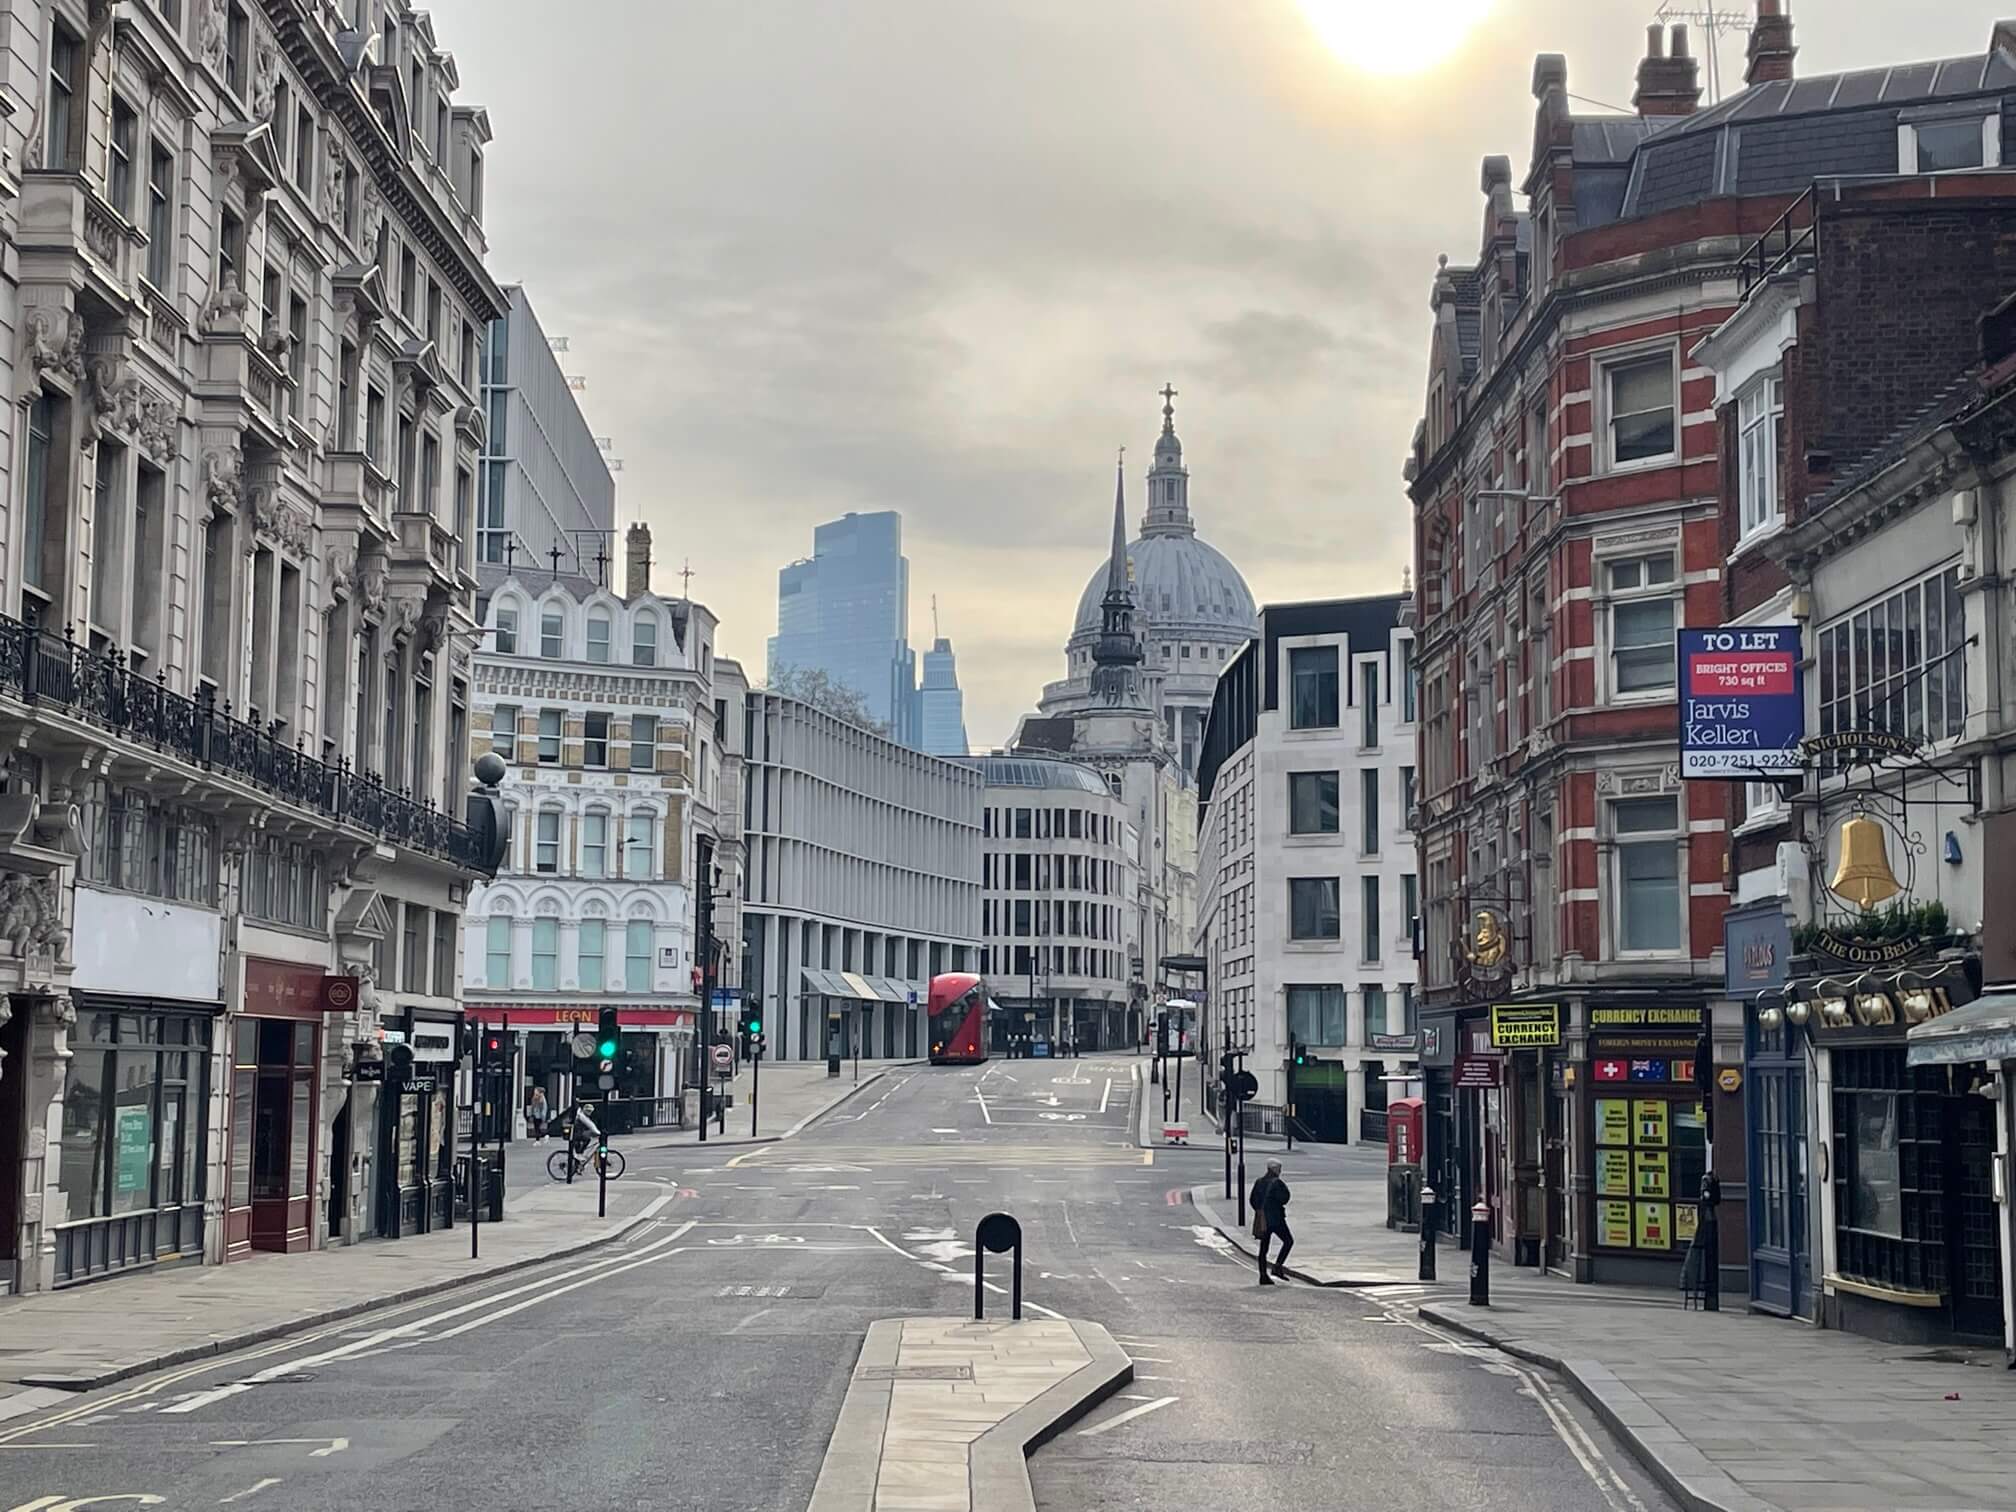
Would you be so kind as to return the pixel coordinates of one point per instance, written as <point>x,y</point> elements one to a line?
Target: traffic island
<point>941,1413</point>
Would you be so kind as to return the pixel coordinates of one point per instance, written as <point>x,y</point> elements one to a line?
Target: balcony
<point>51,672</point>
<point>64,225</point>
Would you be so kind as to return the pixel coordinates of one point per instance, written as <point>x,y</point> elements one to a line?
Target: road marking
<point>329,1445</point>
<point>981,1098</point>
<point>1128,1416</point>
<point>252,1490</point>
<point>593,1271</point>
<point>1106,1096</point>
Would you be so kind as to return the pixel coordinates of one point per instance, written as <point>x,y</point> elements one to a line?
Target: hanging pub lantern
<point>1863,875</point>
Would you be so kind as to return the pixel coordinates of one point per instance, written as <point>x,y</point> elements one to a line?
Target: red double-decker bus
<point>958,1019</point>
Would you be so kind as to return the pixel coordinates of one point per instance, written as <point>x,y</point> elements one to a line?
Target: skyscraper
<point>845,611</point>
<point>941,707</point>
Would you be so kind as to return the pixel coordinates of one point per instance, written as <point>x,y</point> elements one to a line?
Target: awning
<point>858,988</point>
<point>824,983</point>
<point>1985,1030</point>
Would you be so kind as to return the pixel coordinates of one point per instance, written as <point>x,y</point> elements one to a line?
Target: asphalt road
<point>701,1364</point>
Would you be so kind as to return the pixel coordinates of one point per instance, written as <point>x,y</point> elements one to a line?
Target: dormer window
<point>1947,143</point>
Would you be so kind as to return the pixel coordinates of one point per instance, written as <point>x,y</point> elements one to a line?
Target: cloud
<point>939,258</point>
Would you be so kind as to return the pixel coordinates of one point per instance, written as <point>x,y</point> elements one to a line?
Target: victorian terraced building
<point>245,282</point>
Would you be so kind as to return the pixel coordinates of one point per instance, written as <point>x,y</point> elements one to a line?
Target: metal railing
<point>40,667</point>
<point>1789,237</point>
<point>1372,1125</point>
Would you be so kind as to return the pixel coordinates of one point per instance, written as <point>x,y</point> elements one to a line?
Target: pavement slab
<point>942,1445</point>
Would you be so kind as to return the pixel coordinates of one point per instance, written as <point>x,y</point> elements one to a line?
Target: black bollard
<point>1710,1242</point>
<point>1427,1272</point>
<point>1480,1256</point>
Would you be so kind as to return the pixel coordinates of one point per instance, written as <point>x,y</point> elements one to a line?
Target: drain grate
<point>796,1292</point>
<point>915,1373</point>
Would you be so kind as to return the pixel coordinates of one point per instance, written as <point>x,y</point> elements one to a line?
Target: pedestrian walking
<point>537,1114</point>
<point>1269,1202</point>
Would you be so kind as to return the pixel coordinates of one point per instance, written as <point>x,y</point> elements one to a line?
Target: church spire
<point>1116,566</point>
<point>1168,480</point>
<point>1117,654</point>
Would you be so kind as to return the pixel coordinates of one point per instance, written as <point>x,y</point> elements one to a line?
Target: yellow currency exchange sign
<point>1524,1025</point>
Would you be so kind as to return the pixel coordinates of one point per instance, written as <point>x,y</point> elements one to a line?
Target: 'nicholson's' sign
<point>1742,703</point>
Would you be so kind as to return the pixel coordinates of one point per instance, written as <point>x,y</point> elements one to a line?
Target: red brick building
<point>1567,480</point>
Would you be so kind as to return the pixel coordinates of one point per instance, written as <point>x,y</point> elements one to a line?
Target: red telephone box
<point>1405,1130</point>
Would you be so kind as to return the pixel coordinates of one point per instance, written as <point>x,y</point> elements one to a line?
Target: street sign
<point>724,1060</point>
<point>366,1071</point>
<point>1245,1085</point>
<point>583,1044</point>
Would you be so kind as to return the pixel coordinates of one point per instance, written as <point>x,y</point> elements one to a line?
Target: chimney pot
<point>1679,48</point>
<point>1771,46</point>
<point>1655,41</point>
<point>1550,71</point>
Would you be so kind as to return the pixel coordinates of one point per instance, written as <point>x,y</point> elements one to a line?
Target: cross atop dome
<point>1168,482</point>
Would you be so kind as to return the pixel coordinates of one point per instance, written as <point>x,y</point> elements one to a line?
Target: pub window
<point>1899,665</point>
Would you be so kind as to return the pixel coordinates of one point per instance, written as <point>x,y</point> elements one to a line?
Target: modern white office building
<point>1059,908</point>
<point>1306,878</point>
<point>862,879</point>
<point>547,500</point>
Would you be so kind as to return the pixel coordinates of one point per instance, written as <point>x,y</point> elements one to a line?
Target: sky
<point>938,256</point>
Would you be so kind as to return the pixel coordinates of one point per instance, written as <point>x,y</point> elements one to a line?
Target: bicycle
<point>611,1163</point>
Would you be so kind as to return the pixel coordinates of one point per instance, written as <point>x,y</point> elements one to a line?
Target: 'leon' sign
<point>1742,702</point>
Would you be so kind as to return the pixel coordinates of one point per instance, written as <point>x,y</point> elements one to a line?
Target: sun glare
<point>1393,36</point>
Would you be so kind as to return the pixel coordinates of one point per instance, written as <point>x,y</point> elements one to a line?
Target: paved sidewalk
<point>1731,1411</point>
<point>941,1412</point>
<point>792,1094</point>
<point>90,1336</point>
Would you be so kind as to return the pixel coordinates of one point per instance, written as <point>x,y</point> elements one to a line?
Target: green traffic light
<point>607,1049</point>
<point>755,1026</point>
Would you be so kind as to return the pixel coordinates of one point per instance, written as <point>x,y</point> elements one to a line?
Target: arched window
<point>552,633</point>
<point>598,638</point>
<point>644,641</point>
<point>595,843</point>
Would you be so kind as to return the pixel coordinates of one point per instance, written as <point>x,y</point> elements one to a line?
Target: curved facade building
<point>1192,609</point>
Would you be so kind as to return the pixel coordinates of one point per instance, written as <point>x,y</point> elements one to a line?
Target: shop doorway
<point>272,1135</point>
<point>1975,1262</point>
<point>1554,1176</point>
<point>1323,1102</point>
<point>1781,1270</point>
<point>339,1169</point>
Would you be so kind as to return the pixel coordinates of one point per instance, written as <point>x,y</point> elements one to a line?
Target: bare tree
<point>814,686</point>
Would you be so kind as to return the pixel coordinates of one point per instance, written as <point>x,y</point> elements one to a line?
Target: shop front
<point>131,1168</point>
<point>1913,1248</point>
<point>1757,951</point>
<point>650,1065</point>
<point>1640,1136</point>
<point>416,1128</point>
<point>275,1072</point>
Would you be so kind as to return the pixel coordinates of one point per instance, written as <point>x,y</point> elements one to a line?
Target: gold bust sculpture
<point>1486,945</point>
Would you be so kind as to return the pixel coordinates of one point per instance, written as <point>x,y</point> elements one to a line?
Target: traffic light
<point>609,1037</point>
<point>398,1063</point>
<point>1297,1051</point>
<point>493,1046</point>
<point>465,1039</point>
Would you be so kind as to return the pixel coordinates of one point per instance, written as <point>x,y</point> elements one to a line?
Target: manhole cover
<point>915,1373</point>
<point>797,1291</point>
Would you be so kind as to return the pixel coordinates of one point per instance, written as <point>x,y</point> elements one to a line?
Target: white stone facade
<point>604,707</point>
<point>861,857</point>
<point>243,292</point>
<point>1307,865</point>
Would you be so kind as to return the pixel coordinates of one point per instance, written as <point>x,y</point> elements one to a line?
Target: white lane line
<point>981,1098</point>
<point>252,1490</point>
<point>607,1265</point>
<point>1106,1096</point>
<point>1128,1416</point>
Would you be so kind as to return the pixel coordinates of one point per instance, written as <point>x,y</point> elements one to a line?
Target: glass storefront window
<point>131,1113</point>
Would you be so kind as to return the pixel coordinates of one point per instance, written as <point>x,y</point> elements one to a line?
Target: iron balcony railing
<point>43,668</point>
<point>1790,237</point>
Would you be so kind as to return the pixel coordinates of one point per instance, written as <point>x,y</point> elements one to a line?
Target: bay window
<point>1760,412</point>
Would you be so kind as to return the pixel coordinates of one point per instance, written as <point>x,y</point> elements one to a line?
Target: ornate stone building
<point>244,279</point>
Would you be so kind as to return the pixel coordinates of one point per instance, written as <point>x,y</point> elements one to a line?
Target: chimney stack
<point>637,561</point>
<point>1771,49</point>
<point>1667,85</point>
